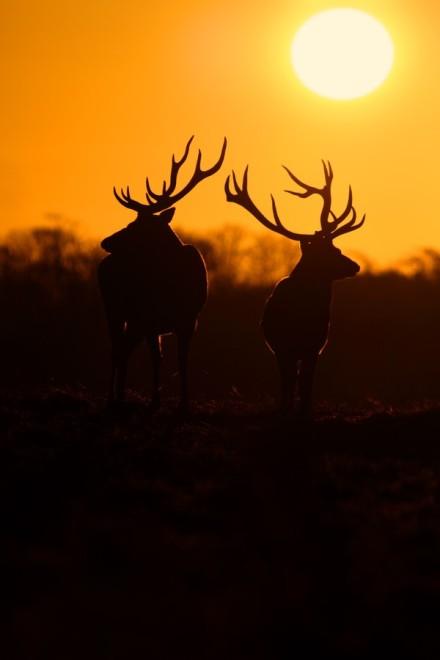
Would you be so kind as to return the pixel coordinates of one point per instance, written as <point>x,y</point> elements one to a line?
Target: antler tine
<point>215,168</point>
<point>175,167</point>
<point>233,196</point>
<point>150,193</point>
<point>120,199</point>
<point>184,155</point>
<point>166,199</point>
<point>153,197</point>
<point>199,174</point>
<point>330,168</point>
<point>150,200</point>
<point>126,200</point>
<point>309,190</point>
<point>324,192</point>
<point>126,195</point>
<point>241,197</point>
<point>346,212</point>
<point>245,176</point>
<point>328,172</point>
<point>337,227</point>
<point>276,214</point>
<point>349,226</point>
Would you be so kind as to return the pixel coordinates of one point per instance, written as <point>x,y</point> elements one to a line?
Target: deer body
<point>296,319</point>
<point>296,315</point>
<point>160,291</point>
<point>151,283</point>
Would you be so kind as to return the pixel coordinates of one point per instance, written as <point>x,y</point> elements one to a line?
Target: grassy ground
<point>232,534</point>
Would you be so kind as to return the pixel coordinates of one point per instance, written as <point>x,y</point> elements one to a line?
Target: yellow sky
<point>98,92</point>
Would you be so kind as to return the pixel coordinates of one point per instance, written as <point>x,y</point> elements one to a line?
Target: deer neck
<point>161,250</point>
<point>173,243</point>
<point>311,279</point>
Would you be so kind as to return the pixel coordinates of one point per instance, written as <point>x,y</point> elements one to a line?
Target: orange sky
<point>97,92</point>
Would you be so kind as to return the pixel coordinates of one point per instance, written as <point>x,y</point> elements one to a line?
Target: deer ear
<point>167,216</point>
<point>105,244</point>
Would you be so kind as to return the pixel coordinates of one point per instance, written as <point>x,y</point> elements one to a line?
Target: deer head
<point>159,209</point>
<point>317,249</point>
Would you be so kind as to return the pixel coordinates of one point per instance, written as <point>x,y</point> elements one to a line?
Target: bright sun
<point>342,53</point>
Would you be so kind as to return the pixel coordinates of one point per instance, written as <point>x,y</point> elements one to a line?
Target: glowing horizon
<point>101,96</point>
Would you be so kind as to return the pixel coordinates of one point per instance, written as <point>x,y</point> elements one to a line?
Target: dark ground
<point>233,534</point>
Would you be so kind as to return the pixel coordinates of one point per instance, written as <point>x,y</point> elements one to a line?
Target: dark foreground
<point>234,534</point>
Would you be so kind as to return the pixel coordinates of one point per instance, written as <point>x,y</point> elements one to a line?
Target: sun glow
<point>342,53</point>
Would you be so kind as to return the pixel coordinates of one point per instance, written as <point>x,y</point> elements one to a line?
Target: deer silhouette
<point>151,283</point>
<point>296,315</point>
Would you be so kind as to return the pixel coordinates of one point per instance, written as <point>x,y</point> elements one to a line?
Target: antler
<point>165,199</point>
<point>328,227</point>
<point>126,200</point>
<point>240,196</point>
<point>351,225</point>
<point>175,167</point>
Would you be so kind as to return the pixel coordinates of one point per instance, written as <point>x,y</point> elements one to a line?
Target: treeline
<point>384,340</point>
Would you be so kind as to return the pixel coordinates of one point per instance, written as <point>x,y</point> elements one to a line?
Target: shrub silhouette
<point>384,335</point>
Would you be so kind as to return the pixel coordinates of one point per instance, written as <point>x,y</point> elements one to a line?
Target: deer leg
<point>288,374</point>
<point>156,356</point>
<point>117,381</point>
<point>113,377</point>
<point>121,375</point>
<point>306,377</point>
<point>183,346</point>
<point>129,339</point>
<point>117,340</point>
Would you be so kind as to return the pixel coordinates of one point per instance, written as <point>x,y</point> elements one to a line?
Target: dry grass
<point>232,534</point>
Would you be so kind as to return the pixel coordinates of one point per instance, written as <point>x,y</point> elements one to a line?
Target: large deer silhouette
<point>151,283</point>
<point>297,313</point>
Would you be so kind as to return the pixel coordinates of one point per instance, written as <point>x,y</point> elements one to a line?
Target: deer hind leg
<point>183,346</point>
<point>118,375</point>
<point>305,389</point>
<point>288,368</point>
<point>156,356</point>
<point>122,347</point>
<point>117,341</point>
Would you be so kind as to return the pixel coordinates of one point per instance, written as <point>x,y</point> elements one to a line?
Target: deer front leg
<point>123,347</point>
<point>120,375</point>
<point>156,356</point>
<point>116,389</point>
<point>183,346</point>
<point>288,374</point>
<point>113,376</point>
<point>305,385</point>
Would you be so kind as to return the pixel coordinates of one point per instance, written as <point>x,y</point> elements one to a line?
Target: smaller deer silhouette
<point>297,313</point>
<point>151,283</point>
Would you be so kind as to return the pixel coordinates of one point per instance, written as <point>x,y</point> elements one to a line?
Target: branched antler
<point>329,228</point>
<point>240,196</point>
<point>164,200</point>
